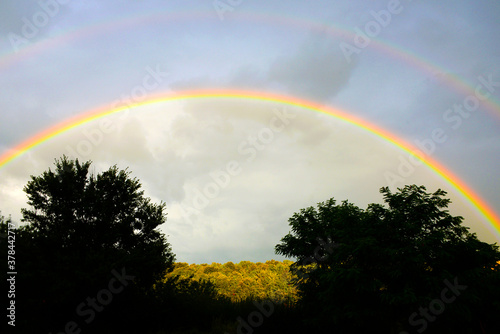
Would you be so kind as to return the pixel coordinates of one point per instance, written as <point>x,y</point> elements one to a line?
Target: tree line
<point>271,280</point>
<point>91,259</point>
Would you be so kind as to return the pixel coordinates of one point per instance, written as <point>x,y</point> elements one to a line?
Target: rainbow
<point>389,49</point>
<point>479,204</point>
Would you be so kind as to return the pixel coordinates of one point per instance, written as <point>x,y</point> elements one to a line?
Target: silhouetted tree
<point>83,232</point>
<point>407,266</point>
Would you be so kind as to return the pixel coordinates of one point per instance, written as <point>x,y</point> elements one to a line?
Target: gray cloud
<point>23,22</point>
<point>317,69</point>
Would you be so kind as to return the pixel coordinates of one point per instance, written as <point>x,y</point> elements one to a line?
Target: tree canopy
<point>83,228</point>
<point>245,280</point>
<point>381,268</point>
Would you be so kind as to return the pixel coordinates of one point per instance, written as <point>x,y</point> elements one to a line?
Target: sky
<point>233,169</point>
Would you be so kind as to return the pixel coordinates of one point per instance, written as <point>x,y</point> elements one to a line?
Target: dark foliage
<point>84,233</point>
<point>377,270</point>
<point>92,259</point>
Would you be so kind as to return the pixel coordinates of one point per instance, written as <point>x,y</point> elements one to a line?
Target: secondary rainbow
<point>345,33</point>
<point>52,132</point>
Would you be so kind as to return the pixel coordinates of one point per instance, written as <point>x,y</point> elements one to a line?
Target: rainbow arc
<point>465,191</point>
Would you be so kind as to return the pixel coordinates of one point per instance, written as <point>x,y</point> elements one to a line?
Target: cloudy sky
<point>233,170</point>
